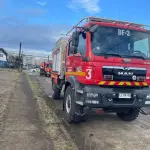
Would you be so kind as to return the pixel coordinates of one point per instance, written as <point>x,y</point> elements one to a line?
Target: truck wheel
<point>56,93</point>
<point>71,107</point>
<point>131,115</point>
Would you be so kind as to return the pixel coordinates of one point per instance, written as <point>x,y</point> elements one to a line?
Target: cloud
<point>33,12</point>
<point>41,3</point>
<point>91,6</point>
<point>33,37</point>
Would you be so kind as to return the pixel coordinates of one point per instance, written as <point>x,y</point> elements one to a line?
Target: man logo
<point>134,78</point>
<point>125,73</point>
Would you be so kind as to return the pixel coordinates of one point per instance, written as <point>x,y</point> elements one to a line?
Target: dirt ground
<point>106,131</point>
<point>19,125</point>
<point>21,128</point>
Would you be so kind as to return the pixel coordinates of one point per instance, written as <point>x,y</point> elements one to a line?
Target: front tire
<point>131,115</point>
<point>71,108</point>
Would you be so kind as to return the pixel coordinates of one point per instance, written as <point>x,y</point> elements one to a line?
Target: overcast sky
<point>39,24</point>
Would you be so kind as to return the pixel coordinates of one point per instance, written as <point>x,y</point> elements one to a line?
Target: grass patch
<point>51,124</point>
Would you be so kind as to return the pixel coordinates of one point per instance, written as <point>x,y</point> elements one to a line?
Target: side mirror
<point>73,49</point>
<point>75,39</point>
<point>93,28</point>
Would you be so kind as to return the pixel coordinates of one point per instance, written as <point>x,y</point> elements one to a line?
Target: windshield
<point>49,65</point>
<point>120,42</point>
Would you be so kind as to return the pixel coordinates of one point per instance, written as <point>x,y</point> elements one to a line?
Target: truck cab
<point>107,66</point>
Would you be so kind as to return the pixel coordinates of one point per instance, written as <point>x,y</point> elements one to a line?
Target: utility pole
<point>20,56</point>
<point>48,58</point>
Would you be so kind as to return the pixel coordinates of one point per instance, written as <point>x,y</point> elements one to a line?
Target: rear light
<point>141,78</point>
<point>108,77</point>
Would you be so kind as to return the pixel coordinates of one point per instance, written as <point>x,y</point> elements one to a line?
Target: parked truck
<point>42,68</point>
<point>104,64</point>
<point>48,69</point>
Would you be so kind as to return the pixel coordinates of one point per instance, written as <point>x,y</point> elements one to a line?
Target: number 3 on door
<point>89,73</point>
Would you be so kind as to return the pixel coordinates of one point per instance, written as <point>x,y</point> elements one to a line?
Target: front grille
<point>124,73</point>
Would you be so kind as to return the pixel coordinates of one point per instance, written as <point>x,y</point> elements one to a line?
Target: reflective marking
<point>128,83</point>
<point>121,83</point>
<point>112,83</point>
<point>137,83</point>
<point>145,84</point>
<point>76,73</point>
<point>102,83</point>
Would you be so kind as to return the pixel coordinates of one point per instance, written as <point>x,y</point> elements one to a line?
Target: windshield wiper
<point>140,57</point>
<point>111,54</point>
<point>108,54</point>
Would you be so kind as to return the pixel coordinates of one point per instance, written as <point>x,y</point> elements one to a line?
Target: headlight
<point>148,96</point>
<point>92,95</point>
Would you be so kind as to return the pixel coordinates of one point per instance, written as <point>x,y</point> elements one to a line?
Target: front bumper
<point>48,73</point>
<point>109,97</point>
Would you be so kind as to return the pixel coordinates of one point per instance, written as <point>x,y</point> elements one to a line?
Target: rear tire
<point>131,115</point>
<point>71,108</point>
<point>56,91</point>
<point>56,94</point>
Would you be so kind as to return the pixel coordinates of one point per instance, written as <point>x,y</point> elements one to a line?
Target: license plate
<point>124,95</point>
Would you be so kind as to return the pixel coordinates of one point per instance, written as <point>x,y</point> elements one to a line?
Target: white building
<point>34,60</point>
<point>3,58</point>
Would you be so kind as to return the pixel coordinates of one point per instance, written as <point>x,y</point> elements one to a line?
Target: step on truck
<point>104,64</point>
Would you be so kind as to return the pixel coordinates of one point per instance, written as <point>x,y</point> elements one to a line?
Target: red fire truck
<point>104,64</point>
<point>42,68</point>
<point>48,69</point>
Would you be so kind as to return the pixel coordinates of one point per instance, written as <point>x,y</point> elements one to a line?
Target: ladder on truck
<point>95,19</point>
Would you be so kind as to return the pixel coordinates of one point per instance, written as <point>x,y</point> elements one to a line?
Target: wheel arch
<point>71,81</point>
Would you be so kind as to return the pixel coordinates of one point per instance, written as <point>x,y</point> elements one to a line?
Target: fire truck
<point>48,69</point>
<point>42,68</point>
<point>104,64</point>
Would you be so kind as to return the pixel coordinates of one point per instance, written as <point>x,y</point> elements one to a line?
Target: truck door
<point>74,63</point>
<point>69,59</point>
<point>81,51</point>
